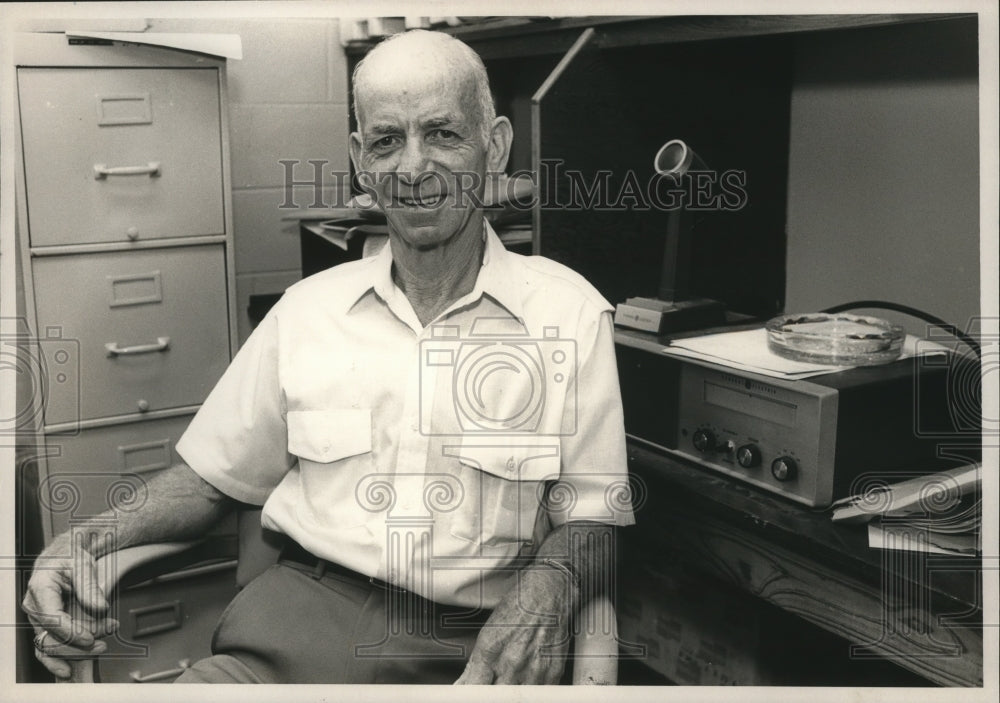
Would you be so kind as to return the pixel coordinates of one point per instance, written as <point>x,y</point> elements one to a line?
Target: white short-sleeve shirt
<point>426,457</point>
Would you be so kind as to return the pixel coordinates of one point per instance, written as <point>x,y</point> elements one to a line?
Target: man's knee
<point>220,668</point>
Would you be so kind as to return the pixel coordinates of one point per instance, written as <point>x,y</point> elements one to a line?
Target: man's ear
<point>355,149</point>
<point>498,149</point>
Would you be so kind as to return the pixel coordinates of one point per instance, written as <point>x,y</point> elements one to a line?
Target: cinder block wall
<point>287,100</point>
<point>883,175</point>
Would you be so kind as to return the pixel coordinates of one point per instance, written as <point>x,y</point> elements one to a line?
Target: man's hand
<point>60,586</point>
<point>527,637</point>
<point>64,600</point>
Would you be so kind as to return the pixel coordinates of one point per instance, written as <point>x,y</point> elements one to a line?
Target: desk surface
<point>921,611</point>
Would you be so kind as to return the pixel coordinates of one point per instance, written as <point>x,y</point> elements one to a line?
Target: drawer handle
<point>162,343</point>
<point>151,169</point>
<point>182,666</point>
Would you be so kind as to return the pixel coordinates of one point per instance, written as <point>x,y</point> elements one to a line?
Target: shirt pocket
<point>325,436</point>
<point>334,451</point>
<point>503,479</point>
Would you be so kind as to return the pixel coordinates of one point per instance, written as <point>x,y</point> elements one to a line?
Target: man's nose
<point>412,162</point>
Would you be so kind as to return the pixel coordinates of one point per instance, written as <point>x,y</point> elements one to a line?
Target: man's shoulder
<point>342,279</point>
<point>342,283</point>
<point>551,278</point>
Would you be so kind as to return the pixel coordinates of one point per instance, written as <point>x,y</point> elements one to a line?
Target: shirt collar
<point>496,276</point>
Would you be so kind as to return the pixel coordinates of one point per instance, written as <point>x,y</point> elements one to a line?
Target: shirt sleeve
<point>238,440</point>
<point>593,483</point>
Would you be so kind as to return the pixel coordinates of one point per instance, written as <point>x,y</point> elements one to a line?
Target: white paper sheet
<point>909,496</point>
<point>228,46</point>
<point>338,237</point>
<point>918,540</point>
<point>747,350</point>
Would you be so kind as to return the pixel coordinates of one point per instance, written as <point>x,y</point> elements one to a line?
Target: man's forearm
<point>180,505</point>
<point>586,548</point>
<point>528,635</point>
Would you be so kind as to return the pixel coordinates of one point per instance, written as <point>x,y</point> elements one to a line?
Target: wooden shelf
<point>511,37</point>
<point>923,613</point>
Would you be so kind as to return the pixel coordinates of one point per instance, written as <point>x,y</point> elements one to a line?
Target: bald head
<point>421,58</point>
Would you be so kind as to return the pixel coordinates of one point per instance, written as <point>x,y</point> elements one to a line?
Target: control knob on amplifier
<point>748,456</point>
<point>703,440</point>
<point>783,468</point>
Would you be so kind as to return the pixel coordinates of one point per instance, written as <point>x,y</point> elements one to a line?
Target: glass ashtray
<point>838,339</point>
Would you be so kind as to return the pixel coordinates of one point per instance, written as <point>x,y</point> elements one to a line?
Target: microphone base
<point>662,316</point>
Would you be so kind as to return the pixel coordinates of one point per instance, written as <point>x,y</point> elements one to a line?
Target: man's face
<point>421,141</point>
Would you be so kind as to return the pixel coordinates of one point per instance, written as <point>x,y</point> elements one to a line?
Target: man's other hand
<point>61,585</point>
<point>527,637</point>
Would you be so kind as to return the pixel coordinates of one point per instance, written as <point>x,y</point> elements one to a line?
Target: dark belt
<point>295,552</point>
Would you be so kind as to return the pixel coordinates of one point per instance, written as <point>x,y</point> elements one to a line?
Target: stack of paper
<point>747,350</point>
<point>938,513</point>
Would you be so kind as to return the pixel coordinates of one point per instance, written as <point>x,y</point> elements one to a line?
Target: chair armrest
<point>112,567</point>
<point>595,644</point>
<point>110,570</point>
<point>595,647</point>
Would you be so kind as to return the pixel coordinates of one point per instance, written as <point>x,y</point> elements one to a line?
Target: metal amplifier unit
<point>808,440</point>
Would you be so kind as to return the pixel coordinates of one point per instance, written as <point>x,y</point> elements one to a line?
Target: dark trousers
<point>293,624</point>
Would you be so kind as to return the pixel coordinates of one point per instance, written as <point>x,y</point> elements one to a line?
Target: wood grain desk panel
<point>920,611</point>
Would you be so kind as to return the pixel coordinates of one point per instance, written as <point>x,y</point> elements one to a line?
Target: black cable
<point>914,312</point>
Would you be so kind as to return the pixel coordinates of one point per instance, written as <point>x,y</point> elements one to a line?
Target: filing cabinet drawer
<point>116,154</point>
<point>166,624</point>
<point>140,330</point>
<point>105,468</point>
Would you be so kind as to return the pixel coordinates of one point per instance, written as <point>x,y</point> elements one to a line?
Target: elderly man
<point>437,431</point>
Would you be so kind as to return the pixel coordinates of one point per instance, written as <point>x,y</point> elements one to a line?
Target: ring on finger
<point>40,640</point>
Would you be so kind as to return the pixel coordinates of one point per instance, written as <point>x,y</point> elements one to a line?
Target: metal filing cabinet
<point>105,466</point>
<point>125,233</point>
<point>150,325</point>
<point>165,122</point>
